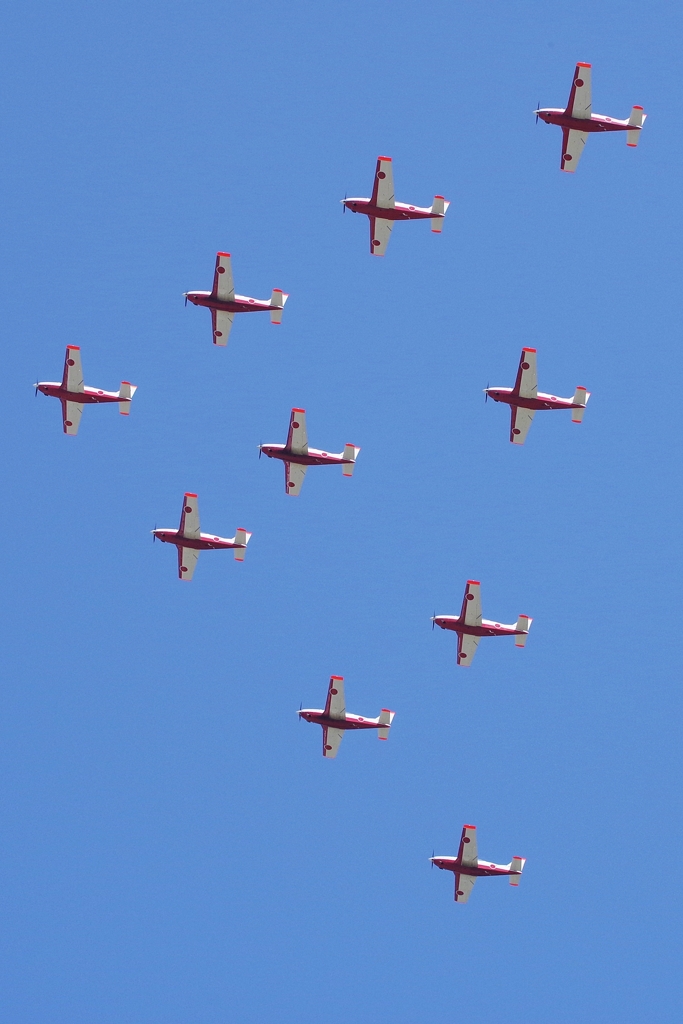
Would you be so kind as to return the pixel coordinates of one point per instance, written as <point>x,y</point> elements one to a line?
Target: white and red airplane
<point>189,540</point>
<point>73,394</point>
<point>577,121</point>
<point>297,456</point>
<point>383,210</point>
<point>335,720</point>
<point>525,399</point>
<point>467,866</point>
<point>224,303</point>
<point>471,627</point>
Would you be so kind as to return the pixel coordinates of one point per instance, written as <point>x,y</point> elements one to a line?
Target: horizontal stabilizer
<point>517,865</point>
<point>439,207</point>
<point>126,390</point>
<point>277,299</point>
<point>386,717</point>
<point>350,453</point>
<point>523,623</point>
<point>241,537</point>
<point>636,119</point>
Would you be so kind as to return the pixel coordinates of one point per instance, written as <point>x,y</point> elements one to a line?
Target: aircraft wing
<point>187,561</point>
<point>335,705</point>
<point>467,646</point>
<point>71,416</point>
<point>579,102</point>
<point>72,379</point>
<point>223,287</point>
<point>467,854</point>
<point>380,230</point>
<point>294,477</point>
<point>470,613</point>
<point>189,517</point>
<point>464,884</point>
<point>297,438</point>
<point>519,423</point>
<point>526,384</point>
<point>383,188</point>
<point>222,323</point>
<point>331,740</point>
<point>572,148</point>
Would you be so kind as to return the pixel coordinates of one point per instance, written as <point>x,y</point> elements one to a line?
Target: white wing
<point>380,230</point>
<point>331,740</point>
<point>526,384</point>
<point>71,416</point>
<point>470,612</point>
<point>464,884</point>
<point>467,646</point>
<point>468,845</point>
<point>579,104</point>
<point>222,324</point>
<point>383,187</point>
<point>572,148</point>
<point>189,517</point>
<point>72,379</point>
<point>520,423</point>
<point>297,438</point>
<point>223,287</point>
<point>187,560</point>
<point>335,706</point>
<point>294,477</point>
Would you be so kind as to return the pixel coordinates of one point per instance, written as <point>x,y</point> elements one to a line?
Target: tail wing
<point>439,207</point>
<point>517,866</point>
<point>523,623</point>
<point>242,538</point>
<point>126,392</point>
<point>637,119</point>
<point>386,717</point>
<point>350,454</point>
<point>581,397</point>
<point>277,300</point>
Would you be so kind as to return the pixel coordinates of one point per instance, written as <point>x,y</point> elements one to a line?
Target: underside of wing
<point>71,416</point>
<point>223,287</point>
<point>297,436</point>
<point>526,384</point>
<point>294,477</point>
<point>331,740</point>
<point>72,378</point>
<point>380,230</point>
<point>579,103</point>
<point>187,561</point>
<point>189,517</point>
<point>464,884</point>
<point>520,421</point>
<point>467,854</point>
<point>470,612</point>
<point>335,705</point>
<point>383,187</point>
<point>572,148</point>
<point>467,646</point>
<point>222,324</point>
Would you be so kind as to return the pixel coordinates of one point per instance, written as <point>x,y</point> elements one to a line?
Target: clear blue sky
<point>174,849</point>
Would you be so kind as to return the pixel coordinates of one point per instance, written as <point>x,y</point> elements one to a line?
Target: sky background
<point>174,848</point>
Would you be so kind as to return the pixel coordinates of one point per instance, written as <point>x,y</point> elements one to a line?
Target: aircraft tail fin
<point>350,453</point>
<point>637,119</point>
<point>523,623</point>
<point>126,391</point>
<point>439,207</point>
<point>386,717</point>
<point>517,864</point>
<point>581,397</point>
<point>241,537</point>
<point>277,299</point>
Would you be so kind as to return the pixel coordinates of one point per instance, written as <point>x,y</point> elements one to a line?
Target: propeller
<point>486,392</point>
<point>433,859</point>
<point>300,710</point>
<point>185,294</point>
<point>344,206</point>
<point>154,534</point>
<point>537,110</point>
<point>35,394</point>
<point>433,621</point>
<point>260,450</point>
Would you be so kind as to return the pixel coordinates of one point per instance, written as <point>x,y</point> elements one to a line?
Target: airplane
<point>467,867</point>
<point>525,399</point>
<point>73,394</point>
<point>470,626</point>
<point>335,721</point>
<point>577,121</point>
<point>383,210</point>
<point>297,456</point>
<point>190,541</point>
<point>224,303</point>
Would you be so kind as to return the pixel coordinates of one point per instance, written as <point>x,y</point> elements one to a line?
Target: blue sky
<point>174,847</point>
